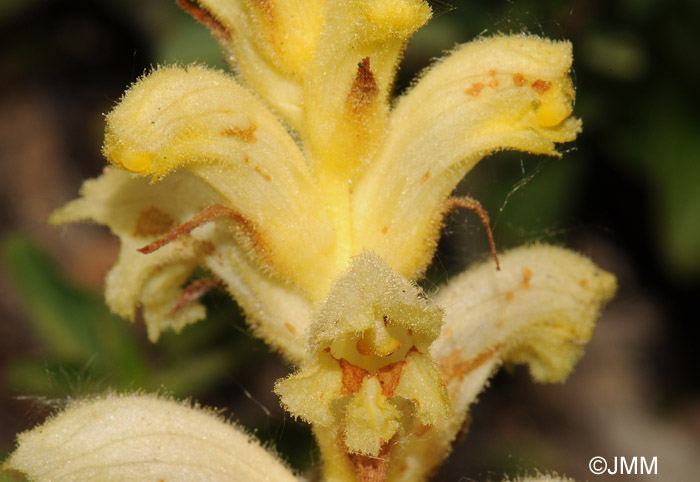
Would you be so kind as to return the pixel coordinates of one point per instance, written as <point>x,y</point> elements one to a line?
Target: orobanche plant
<point>317,204</point>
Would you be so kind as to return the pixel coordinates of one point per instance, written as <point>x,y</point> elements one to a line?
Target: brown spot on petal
<point>364,90</point>
<point>509,295</point>
<point>385,229</point>
<point>425,177</point>
<point>245,135</point>
<point>583,283</point>
<point>527,275</point>
<point>262,173</point>
<point>453,367</point>
<point>290,327</point>
<point>352,376</point>
<point>389,377</point>
<point>493,83</point>
<point>518,79</point>
<point>475,89</point>
<point>153,222</point>
<point>541,86</point>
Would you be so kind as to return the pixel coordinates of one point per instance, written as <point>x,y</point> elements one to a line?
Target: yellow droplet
<point>133,161</point>
<point>553,112</point>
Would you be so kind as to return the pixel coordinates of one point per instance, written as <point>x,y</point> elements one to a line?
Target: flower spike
<point>317,205</point>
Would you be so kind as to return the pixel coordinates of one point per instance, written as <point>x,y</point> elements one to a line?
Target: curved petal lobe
<point>139,213</point>
<point>496,93</point>
<point>203,121</point>
<point>141,439</point>
<point>540,309</point>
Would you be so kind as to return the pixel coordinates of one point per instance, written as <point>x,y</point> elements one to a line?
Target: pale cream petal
<point>141,439</point>
<point>371,420</point>
<point>495,93</point>
<point>539,309</point>
<point>431,406</point>
<point>309,393</point>
<point>274,309</point>
<point>201,120</point>
<point>140,212</point>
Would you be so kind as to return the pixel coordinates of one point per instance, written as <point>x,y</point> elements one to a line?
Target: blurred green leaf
<point>619,55</point>
<point>73,324</point>
<point>187,42</point>
<point>9,7</point>
<point>664,147</point>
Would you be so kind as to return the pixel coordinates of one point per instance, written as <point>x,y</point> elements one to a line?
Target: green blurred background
<point>626,192</point>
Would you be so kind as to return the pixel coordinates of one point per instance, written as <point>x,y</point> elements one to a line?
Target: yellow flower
<point>317,205</point>
<point>370,372</point>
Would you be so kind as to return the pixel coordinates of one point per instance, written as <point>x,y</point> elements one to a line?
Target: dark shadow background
<point>626,193</point>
